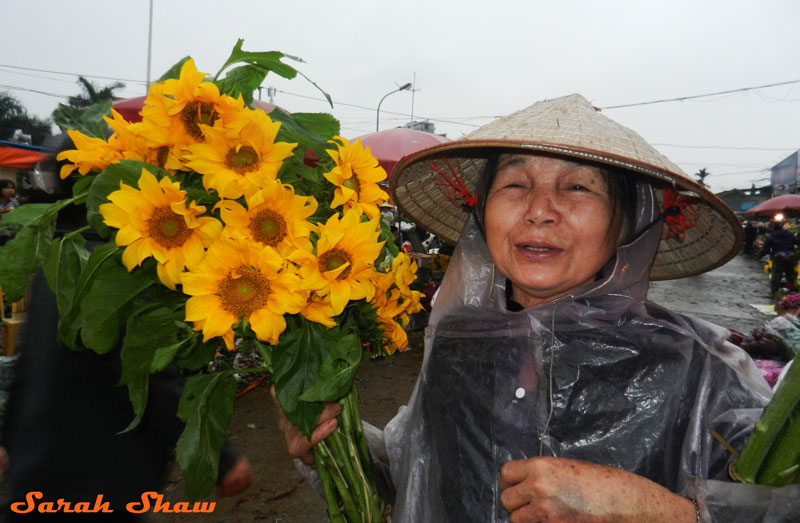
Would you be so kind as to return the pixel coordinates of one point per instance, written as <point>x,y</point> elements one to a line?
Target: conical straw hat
<point>435,186</point>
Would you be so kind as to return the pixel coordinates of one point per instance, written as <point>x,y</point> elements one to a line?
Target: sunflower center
<point>352,183</point>
<point>195,113</point>
<point>334,259</point>
<point>268,227</point>
<point>242,161</point>
<point>167,228</point>
<point>244,294</point>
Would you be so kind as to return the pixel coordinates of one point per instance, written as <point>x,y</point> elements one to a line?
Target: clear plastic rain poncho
<point>602,376</point>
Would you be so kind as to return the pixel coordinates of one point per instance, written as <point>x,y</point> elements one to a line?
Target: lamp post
<point>378,116</point>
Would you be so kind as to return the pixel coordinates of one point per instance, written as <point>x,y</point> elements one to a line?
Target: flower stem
<point>342,488</point>
<point>783,461</point>
<point>328,490</point>
<point>348,469</point>
<point>773,419</point>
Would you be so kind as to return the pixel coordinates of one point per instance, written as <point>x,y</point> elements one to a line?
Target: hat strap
<point>454,185</point>
<point>678,215</point>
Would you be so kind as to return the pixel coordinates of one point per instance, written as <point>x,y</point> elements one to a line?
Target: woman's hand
<point>298,444</point>
<point>558,489</point>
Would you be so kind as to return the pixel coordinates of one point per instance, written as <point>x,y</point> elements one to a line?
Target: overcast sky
<point>471,62</point>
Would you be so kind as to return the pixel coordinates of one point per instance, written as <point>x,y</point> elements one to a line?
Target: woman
<point>8,202</point>
<point>551,389</point>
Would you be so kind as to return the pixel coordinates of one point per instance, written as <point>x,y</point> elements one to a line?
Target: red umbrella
<point>784,203</point>
<point>392,144</point>
<point>129,108</point>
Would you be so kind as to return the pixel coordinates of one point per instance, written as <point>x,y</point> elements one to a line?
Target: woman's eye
<point>578,187</point>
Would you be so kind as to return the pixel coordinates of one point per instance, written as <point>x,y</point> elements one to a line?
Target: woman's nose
<point>541,208</point>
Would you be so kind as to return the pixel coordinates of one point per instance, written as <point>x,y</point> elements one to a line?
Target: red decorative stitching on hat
<point>679,214</point>
<point>454,185</point>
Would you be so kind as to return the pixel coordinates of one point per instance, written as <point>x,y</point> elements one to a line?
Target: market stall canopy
<point>21,156</point>
<point>785,203</point>
<point>392,144</point>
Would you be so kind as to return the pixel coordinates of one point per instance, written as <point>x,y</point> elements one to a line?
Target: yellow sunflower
<point>134,143</point>
<point>356,176</point>
<point>319,310</point>
<point>175,109</point>
<point>89,154</point>
<point>154,220</point>
<point>395,336</point>
<point>343,267</point>
<point>240,159</point>
<point>275,216</point>
<point>240,281</point>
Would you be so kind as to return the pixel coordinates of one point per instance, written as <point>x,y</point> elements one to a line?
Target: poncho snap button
<point>519,393</point>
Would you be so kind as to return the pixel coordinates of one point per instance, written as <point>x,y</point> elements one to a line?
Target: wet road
<point>722,296</point>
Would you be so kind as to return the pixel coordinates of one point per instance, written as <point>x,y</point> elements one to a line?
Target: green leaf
<point>270,60</point>
<point>206,407</point>
<point>102,307</point>
<point>25,253</point>
<point>150,344</point>
<point>296,363</point>
<point>174,72</point>
<point>88,121</point>
<point>80,189</point>
<point>126,171</point>
<point>68,322</point>
<point>138,391</point>
<point>266,354</point>
<point>320,124</point>
<point>34,214</point>
<point>66,259</point>
<point>242,81</point>
<point>151,341</point>
<point>17,264</point>
<point>293,131</point>
<point>336,374</point>
<point>388,237</point>
<point>196,356</point>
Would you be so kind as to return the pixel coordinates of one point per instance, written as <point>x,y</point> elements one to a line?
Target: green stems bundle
<point>345,470</point>
<point>772,454</point>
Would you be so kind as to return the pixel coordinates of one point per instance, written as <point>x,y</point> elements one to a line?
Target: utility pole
<point>149,46</point>
<point>413,90</point>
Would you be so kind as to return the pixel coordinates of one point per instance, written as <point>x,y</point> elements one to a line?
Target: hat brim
<point>421,193</point>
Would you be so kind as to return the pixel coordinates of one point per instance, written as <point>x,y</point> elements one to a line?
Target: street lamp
<point>378,116</point>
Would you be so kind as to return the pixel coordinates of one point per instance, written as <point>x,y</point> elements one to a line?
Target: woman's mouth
<point>538,252</point>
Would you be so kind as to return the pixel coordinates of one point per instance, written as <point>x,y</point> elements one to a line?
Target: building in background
<point>740,200</point>
<point>785,175</point>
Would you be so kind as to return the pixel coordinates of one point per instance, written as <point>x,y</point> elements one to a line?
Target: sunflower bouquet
<point>226,229</point>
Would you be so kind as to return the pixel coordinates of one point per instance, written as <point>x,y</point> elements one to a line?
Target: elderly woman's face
<point>548,225</point>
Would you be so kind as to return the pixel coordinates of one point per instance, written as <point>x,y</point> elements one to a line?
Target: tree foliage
<point>13,116</point>
<point>701,176</point>
<point>92,93</point>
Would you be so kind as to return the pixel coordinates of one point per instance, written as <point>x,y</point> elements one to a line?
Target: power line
<point>682,98</point>
<point>374,109</point>
<point>72,74</point>
<point>34,91</point>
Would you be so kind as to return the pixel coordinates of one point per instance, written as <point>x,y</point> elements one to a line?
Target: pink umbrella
<point>392,144</point>
<point>784,203</point>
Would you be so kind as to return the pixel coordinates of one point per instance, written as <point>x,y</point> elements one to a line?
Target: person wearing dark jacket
<point>780,245</point>
<point>65,424</point>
